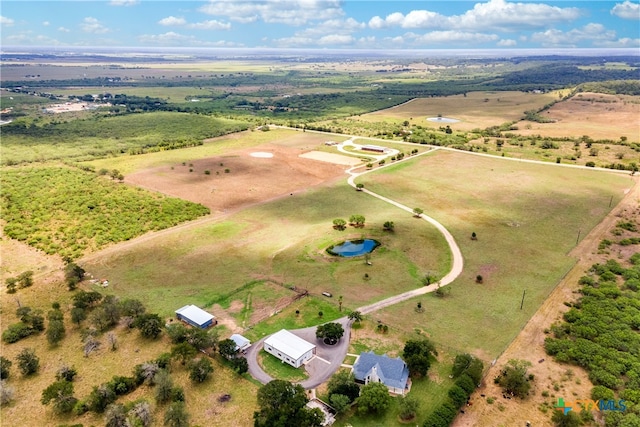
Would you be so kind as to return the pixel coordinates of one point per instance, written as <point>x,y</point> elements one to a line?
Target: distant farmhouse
<point>289,348</point>
<point>393,373</point>
<point>195,316</point>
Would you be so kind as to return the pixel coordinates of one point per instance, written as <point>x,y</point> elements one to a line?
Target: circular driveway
<point>326,361</point>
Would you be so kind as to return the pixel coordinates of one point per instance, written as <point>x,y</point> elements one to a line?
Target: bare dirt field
<point>475,110</point>
<point>557,379</point>
<point>598,115</point>
<point>239,178</point>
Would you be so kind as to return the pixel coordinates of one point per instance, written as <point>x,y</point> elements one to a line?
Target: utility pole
<point>522,303</point>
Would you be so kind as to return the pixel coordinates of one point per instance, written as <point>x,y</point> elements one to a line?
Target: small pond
<point>352,248</point>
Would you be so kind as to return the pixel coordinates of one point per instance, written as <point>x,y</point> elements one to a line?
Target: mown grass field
<point>202,264</point>
<point>527,218</point>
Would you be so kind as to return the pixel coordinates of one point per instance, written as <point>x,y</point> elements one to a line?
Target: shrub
<point>16,332</point>
<point>100,398</point>
<point>66,373</point>
<point>28,362</point>
<point>5,366</point>
<point>6,393</point>
<point>200,369</point>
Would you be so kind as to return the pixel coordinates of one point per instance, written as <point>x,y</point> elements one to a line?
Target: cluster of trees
<point>282,404</point>
<point>468,373</point>
<point>71,211</point>
<point>35,140</point>
<point>23,280</point>
<point>188,342</point>
<point>31,322</point>
<point>600,334</point>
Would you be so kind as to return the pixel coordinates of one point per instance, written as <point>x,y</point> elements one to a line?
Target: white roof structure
<point>241,342</point>
<point>290,344</point>
<point>195,314</point>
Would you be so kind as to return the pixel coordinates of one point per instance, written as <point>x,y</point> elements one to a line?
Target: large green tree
<point>514,379</point>
<point>150,325</point>
<point>176,415</point>
<point>330,332</point>
<point>417,355</point>
<point>282,404</point>
<point>344,383</point>
<point>374,397</point>
<point>61,394</point>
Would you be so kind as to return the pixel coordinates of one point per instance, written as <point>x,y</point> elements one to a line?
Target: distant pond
<point>351,248</point>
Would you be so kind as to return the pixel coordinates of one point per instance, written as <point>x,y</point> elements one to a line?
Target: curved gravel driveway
<point>329,358</point>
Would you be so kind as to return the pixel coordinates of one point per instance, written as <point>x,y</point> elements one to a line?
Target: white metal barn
<point>289,348</point>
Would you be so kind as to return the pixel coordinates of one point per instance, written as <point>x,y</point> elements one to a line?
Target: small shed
<point>375,148</point>
<point>195,316</point>
<point>289,348</point>
<point>242,343</point>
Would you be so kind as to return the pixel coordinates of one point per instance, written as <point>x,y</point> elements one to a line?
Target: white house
<point>289,348</point>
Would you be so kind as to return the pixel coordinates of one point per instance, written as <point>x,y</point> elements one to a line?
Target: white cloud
<point>29,38</point>
<point>492,15</point>
<point>414,19</point>
<point>623,42</point>
<point>295,41</point>
<point>6,21</point>
<point>46,23</point>
<point>627,10</point>
<point>450,36</point>
<point>64,30</point>
<point>123,2</point>
<point>330,32</point>
<point>336,39</point>
<point>507,43</point>
<point>92,25</point>
<point>172,38</point>
<point>500,14</point>
<point>172,21</point>
<point>291,12</point>
<point>210,25</point>
<point>594,33</point>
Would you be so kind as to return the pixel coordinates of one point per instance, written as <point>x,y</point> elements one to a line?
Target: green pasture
<point>132,163</point>
<point>20,100</point>
<point>527,218</point>
<point>173,94</point>
<point>204,264</point>
<point>101,136</point>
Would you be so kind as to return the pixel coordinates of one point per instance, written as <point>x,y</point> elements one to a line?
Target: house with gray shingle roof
<point>381,368</point>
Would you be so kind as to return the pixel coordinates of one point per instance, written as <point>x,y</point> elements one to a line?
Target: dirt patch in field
<point>240,178</point>
<point>553,378</point>
<point>598,115</point>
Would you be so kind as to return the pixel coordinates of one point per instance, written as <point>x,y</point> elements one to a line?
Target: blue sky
<point>451,24</point>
